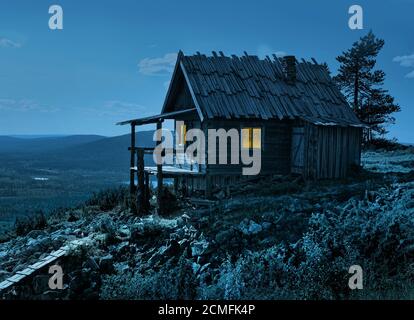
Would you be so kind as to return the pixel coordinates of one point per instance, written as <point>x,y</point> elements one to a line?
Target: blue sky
<point>113,59</point>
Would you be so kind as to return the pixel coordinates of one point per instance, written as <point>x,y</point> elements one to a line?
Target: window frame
<point>251,128</point>
<point>182,136</point>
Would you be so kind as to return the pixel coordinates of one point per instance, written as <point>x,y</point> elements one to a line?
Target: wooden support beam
<point>159,173</point>
<point>141,182</point>
<point>132,163</point>
<point>147,191</point>
<point>146,149</point>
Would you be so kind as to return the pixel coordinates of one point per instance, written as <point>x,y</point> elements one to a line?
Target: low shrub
<point>379,239</point>
<point>174,281</point>
<point>110,198</point>
<point>24,225</point>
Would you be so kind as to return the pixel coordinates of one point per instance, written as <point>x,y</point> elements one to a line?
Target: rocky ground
<point>279,238</point>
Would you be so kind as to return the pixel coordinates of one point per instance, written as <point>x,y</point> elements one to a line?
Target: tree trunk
<point>356,90</point>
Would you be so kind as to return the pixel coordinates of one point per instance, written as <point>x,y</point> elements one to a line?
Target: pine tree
<point>362,85</point>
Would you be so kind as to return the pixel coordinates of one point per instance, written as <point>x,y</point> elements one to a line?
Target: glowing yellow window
<point>183,131</point>
<point>251,138</point>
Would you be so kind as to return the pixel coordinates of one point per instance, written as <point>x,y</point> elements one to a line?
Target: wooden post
<point>132,163</point>
<point>207,176</point>
<point>159,173</point>
<point>147,191</point>
<point>141,182</point>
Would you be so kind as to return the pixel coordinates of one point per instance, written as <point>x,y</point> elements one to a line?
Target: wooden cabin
<point>307,126</point>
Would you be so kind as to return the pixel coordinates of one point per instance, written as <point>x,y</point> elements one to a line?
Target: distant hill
<point>34,136</point>
<point>10,144</point>
<point>86,152</point>
<point>108,153</point>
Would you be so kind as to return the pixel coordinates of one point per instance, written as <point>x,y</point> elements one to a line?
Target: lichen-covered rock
<point>199,247</point>
<point>249,227</point>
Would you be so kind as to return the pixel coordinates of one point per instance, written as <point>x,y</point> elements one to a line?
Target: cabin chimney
<point>290,68</point>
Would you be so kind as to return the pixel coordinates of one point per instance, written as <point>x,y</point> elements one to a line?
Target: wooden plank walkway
<point>48,260</point>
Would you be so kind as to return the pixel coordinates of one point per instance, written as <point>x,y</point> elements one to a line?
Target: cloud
<point>406,61</point>
<point>410,75</point>
<point>265,50</point>
<point>158,66</point>
<point>24,105</point>
<point>119,109</point>
<point>7,43</point>
<point>116,107</point>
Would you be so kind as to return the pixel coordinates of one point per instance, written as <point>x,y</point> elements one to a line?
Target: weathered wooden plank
<point>26,272</point>
<point>160,186</point>
<point>16,278</point>
<point>132,161</point>
<point>5,284</point>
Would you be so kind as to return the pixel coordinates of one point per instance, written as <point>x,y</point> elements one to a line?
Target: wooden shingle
<point>248,87</point>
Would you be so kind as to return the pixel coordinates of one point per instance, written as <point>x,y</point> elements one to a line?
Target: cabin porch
<point>140,192</point>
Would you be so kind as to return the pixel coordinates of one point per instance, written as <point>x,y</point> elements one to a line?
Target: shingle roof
<point>249,87</point>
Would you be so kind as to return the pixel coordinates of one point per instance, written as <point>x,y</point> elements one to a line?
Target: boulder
<point>140,231</point>
<point>196,267</point>
<point>3,254</point>
<point>266,225</point>
<point>34,234</point>
<point>124,232</point>
<point>185,217</point>
<point>91,263</point>
<point>78,232</point>
<point>61,238</point>
<point>254,227</point>
<point>183,243</point>
<point>106,225</point>
<point>121,267</point>
<point>4,274</point>
<point>199,247</point>
<point>250,227</point>
<point>106,264</point>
